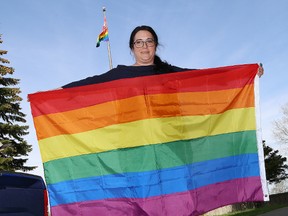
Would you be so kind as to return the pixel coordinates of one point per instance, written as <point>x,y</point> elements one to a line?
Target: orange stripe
<point>143,107</point>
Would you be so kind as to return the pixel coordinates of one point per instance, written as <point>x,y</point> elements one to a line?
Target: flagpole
<point>108,42</point>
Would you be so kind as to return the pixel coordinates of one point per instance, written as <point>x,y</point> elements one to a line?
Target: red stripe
<point>191,81</point>
<point>194,202</point>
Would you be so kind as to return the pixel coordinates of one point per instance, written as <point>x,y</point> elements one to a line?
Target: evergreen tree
<point>12,129</point>
<point>276,169</point>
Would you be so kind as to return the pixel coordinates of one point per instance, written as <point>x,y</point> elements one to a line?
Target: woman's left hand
<point>260,70</point>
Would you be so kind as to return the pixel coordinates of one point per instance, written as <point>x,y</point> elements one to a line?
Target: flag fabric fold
<point>103,36</point>
<point>180,143</point>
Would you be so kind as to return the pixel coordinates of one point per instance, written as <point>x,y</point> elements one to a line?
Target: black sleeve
<point>108,76</point>
<point>121,72</point>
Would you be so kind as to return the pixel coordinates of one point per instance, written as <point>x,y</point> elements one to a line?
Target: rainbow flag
<point>103,36</point>
<point>180,143</point>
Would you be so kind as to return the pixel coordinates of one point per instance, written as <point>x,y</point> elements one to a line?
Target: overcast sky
<point>52,42</point>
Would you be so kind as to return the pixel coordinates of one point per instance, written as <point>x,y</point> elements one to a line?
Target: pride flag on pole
<point>180,143</point>
<point>103,36</point>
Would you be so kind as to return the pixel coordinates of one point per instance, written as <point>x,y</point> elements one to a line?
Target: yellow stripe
<point>146,132</point>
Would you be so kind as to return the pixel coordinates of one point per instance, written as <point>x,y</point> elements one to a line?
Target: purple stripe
<point>194,202</point>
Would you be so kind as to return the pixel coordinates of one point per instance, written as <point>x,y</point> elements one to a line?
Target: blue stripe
<point>154,183</point>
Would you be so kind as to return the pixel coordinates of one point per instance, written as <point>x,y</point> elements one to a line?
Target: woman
<point>143,44</point>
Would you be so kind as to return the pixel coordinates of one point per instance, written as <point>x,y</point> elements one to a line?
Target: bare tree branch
<point>280,130</point>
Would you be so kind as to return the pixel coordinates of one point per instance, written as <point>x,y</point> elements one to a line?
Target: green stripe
<point>151,157</point>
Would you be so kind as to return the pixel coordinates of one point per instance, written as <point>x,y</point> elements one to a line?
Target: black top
<point>121,72</point>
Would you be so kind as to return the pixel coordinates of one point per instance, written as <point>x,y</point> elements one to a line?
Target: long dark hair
<point>160,66</point>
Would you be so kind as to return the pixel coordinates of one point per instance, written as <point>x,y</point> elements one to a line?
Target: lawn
<point>256,211</point>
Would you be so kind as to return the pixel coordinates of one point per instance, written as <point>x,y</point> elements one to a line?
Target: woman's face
<point>144,55</point>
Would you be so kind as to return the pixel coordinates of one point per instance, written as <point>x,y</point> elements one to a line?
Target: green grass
<point>256,211</point>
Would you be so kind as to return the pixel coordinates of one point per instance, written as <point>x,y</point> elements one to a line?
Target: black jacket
<point>121,72</point>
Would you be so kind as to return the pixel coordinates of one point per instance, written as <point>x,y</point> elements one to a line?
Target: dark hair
<point>160,66</point>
